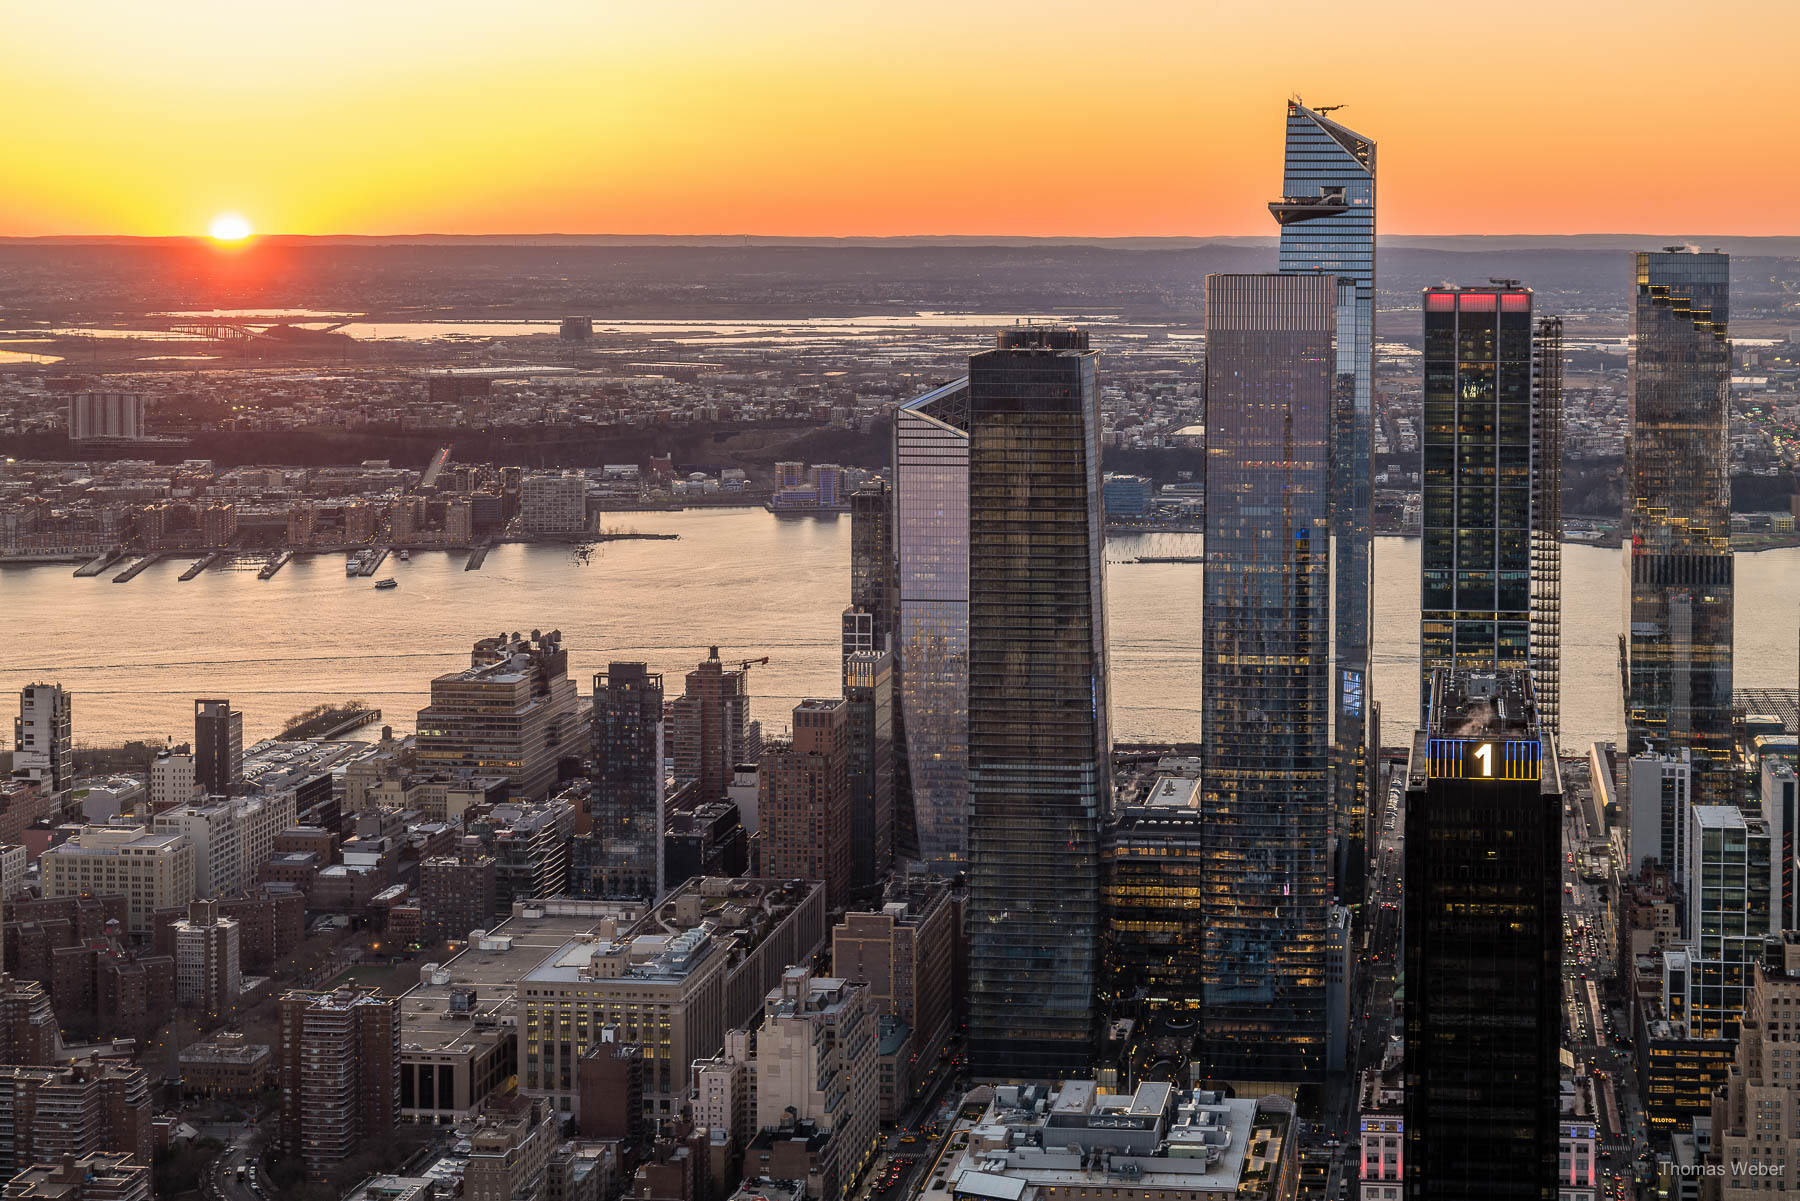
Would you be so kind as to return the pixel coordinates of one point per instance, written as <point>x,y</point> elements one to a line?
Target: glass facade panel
<point>1477,499</point>
<point>931,542</point>
<point>1678,502</point>
<point>1327,218</point>
<point>1040,747</point>
<point>1272,390</point>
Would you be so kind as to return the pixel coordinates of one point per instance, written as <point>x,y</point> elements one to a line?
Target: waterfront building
<point>1327,219</point>
<point>816,1063</point>
<point>44,737</point>
<point>869,701</point>
<point>710,727</point>
<point>805,801</point>
<point>511,713</point>
<point>1678,562</point>
<point>1127,495</point>
<point>218,747</point>
<point>339,1065</point>
<point>1272,387</point>
<point>1040,745</point>
<point>931,546</point>
<point>1483,921</point>
<point>625,804</point>
<point>553,503</point>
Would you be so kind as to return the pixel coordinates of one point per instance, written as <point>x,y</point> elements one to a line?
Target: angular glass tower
<point>931,544</point>
<point>1327,218</point>
<point>1272,392</point>
<point>1678,565</point>
<point>1040,748</point>
<point>1475,561</point>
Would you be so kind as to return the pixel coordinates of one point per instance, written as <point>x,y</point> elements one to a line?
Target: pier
<point>478,556</point>
<point>201,564</point>
<point>94,567</point>
<point>275,564</point>
<point>372,561</point>
<point>130,573</point>
<point>336,720</point>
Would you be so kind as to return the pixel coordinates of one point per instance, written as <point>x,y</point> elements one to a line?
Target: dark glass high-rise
<point>1475,557</point>
<point>1039,725</point>
<point>1483,921</point>
<point>1273,390</point>
<point>626,802</point>
<point>1678,562</point>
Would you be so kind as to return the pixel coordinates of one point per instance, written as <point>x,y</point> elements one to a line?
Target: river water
<point>136,654</point>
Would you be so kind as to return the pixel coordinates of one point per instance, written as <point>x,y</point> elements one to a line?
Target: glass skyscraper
<point>1678,563</point>
<point>931,544</point>
<point>1040,747</point>
<point>1273,391</point>
<point>1475,561</point>
<point>626,804</point>
<point>1484,955</point>
<point>1327,218</point>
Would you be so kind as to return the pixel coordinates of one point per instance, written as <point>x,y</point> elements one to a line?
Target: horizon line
<point>424,236</point>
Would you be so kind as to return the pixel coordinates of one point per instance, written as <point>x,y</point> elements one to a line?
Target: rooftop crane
<point>742,664</point>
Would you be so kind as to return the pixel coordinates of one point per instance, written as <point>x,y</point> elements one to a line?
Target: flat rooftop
<point>492,967</point>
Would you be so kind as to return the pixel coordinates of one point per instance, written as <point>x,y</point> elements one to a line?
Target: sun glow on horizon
<point>229,227</point>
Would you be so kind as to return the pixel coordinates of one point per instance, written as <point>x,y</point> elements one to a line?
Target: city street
<point>1590,1031</point>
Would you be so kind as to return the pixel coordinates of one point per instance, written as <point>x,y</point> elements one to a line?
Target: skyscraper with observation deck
<point>1327,217</point>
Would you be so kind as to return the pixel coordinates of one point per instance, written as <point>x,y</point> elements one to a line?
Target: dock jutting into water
<point>201,564</point>
<point>130,573</point>
<point>477,556</point>
<point>94,567</point>
<point>274,565</point>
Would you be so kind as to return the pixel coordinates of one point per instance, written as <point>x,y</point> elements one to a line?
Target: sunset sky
<point>846,117</point>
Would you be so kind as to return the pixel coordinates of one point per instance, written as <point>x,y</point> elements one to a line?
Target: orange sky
<point>874,117</point>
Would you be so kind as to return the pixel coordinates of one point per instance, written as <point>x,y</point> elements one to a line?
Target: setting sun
<point>229,227</point>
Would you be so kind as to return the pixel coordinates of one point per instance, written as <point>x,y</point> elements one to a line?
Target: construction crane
<point>742,664</point>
